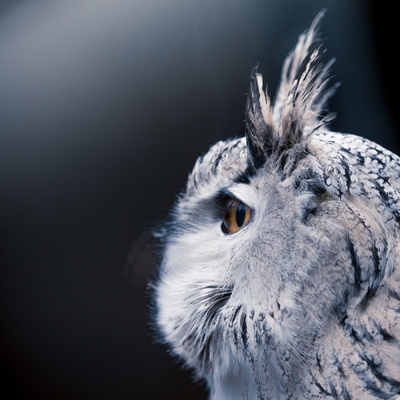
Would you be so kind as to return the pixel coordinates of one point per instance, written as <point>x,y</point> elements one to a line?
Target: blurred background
<point>104,107</point>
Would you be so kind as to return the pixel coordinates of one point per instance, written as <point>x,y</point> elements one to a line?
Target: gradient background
<point>104,107</point>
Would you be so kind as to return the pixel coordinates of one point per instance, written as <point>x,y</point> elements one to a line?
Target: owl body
<point>280,272</point>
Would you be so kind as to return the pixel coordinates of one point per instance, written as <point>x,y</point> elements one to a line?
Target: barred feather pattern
<point>303,301</point>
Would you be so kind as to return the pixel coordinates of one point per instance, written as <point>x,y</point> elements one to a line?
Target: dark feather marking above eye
<point>217,161</point>
<point>226,152</point>
<point>243,178</point>
<point>220,201</point>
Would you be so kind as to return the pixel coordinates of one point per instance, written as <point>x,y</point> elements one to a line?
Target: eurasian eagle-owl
<point>280,276</point>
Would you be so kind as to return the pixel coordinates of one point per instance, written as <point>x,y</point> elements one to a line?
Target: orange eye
<point>236,215</point>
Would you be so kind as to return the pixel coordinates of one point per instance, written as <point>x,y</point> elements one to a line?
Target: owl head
<point>281,239</point>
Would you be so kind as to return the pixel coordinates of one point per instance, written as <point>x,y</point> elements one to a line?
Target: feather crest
<point>259,124</point>
<point>298,110</point>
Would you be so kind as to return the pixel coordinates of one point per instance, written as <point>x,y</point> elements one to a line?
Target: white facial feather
<point>301,298</point>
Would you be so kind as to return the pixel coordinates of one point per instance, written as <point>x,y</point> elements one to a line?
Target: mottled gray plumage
<point>302,301</point>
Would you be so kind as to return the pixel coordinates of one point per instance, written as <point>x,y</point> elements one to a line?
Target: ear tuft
<point>259,127</point>
<point>299,107</point>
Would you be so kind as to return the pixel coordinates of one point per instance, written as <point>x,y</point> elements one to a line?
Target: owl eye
<point>236,215</point>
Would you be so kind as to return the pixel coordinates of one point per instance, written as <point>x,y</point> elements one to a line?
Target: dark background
<point>104,107</point>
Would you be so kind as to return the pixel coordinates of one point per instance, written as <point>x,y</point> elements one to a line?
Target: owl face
<point>276,253</point>
<point>248,256</point>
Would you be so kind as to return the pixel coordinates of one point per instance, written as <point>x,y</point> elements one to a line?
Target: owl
<point>280,274</point>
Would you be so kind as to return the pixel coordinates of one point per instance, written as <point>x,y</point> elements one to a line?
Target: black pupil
<point>240,214</point>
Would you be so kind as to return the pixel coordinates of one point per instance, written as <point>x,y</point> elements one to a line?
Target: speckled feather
<point>304,301</point>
